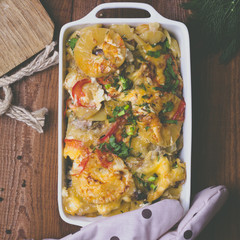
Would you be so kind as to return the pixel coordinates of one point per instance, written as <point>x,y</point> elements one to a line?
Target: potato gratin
<point>125,112</point>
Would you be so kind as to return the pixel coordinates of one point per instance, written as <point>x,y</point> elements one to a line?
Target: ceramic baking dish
<point>180,32</point>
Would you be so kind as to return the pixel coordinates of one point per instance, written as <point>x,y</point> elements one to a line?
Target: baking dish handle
<point>144,6</point>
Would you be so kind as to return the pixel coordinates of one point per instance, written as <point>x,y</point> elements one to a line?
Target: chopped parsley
<point>72,42</point>
<point>121,113</point>
<point>147,127</point>
<point>116,83</point>
<point>155,54</point>
<point>131,131</point>
<point>153,178</point>
<point>142,59</point>
<point>158,88</point>
<point>175,165</point>
<point>148,184</point>
<point>146,107</point>
<point>120,148</point>
<point>124,134</point>
<point>132,119</point>
<point>171,78</point>
<point>138,154</point>
<point>169,69</point>
<point>171,81</point>
<point>141,181</point>
<point>168,107</point>
<point>153,187</point>
<point>126,83</point>
<point>111,119</point>
<point>170,121</point>
<point>142,86</point>
<point>107,86</point>
<point>165,46</point>
<point>146,96</point>
<point>118,110</point>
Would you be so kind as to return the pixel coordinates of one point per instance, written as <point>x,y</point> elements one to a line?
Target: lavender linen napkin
<point>151,222</point>
<point>146,223</point>
<point>205,205</point>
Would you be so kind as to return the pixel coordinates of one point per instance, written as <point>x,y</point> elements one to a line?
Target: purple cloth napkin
<point>205,205</point>
<point>153,221</point>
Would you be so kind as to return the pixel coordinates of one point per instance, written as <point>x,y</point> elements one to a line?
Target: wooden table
<point>28,160</point>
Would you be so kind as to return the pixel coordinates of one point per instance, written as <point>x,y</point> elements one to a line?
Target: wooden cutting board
<point>25,29</point>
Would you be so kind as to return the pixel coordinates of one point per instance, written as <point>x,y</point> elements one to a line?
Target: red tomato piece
<point>110,132</point>
<point>103,158</point>
<point>74,143</point>
<point>82,165</point>
<point>78,94</point>
<point>179,115</point>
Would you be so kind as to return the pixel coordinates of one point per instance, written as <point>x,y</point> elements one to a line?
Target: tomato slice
<point>68,105</point>
<point>74,143</point>
<point>104,80</point>
<point>179,115</point>
<point>82,165</point>
<point>110,132</point>
<point>118,125</point>
<point>103,158</point>
<point>78,94</point>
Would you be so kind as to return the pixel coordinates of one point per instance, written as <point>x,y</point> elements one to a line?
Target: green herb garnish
<point>168,107</point>
<point>165,46</point>
<point>131,131</point>
<point>153,187</point>
<point>111,119</point>
<point>141,181</point>
<point>155,54</point>
<point>158,88</point>
<point>138,154</point>
<point>142,59</point>
<point>170,121</point>
<point>153,178</point>
<point>107,86</point>
<point>175,165</point>
<point>146,107</point>
<point>124,134</point>
<point>120,149</point>
<point>169,68</point>
<point>147,127</point>
<point>72,42</point>
<point>146,96</point>
<point>116,83</point>
<point>121,113</point>
<point>171,79</point>
<point>142,86</point>
<point>126,83</point>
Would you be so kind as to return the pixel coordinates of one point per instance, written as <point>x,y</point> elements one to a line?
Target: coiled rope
<point>34,119</point>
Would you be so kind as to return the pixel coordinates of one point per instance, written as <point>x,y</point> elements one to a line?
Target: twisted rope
<point>40,62</point>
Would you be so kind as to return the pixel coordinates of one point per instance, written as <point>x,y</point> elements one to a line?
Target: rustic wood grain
<point>28,160</point>
<point>25,30</point>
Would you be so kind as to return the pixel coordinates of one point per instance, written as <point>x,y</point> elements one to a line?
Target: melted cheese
<point>102,183</point>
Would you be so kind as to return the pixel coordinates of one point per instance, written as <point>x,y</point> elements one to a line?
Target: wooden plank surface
<point>25,30</point>
<point>28,160</point>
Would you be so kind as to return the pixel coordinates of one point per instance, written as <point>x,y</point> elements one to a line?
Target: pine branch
<point>217,23</point>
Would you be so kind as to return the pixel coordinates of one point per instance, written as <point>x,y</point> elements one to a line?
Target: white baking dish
<point>180,32</point>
